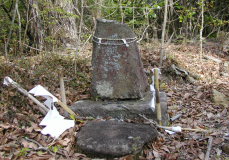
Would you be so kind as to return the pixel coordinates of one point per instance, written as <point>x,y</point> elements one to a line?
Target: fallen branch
<point>209,148</point>
<point>184,129</point>
<point>9,82</point>
<point>212,58</point>
<point>155,124</point>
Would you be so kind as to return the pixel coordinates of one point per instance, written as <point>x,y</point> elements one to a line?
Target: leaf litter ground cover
<point>20,136</point>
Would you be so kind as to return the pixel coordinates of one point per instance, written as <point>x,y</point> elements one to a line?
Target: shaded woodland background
<point>33,26</point>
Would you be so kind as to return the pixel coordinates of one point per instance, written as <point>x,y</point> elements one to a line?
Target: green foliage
<point>23,152</point>
<point>52,15</point>
<point>55,148</point>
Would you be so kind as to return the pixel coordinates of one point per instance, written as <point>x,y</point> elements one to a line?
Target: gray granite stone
<point>114,138</point>
<point>117,69</point>
<point>128,109</point>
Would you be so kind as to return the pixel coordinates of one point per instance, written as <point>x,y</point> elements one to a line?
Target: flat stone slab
<point>114,138</point>
<point>128,109</point>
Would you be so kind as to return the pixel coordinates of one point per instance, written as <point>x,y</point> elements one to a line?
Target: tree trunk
<point>162,54</point>
<point>11,29</point>
<point>36,25</point>
<point>201,28</point>
<point>65,29</point>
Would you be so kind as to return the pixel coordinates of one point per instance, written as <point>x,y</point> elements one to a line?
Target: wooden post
<point>62,88</point>
<point>157,93</point>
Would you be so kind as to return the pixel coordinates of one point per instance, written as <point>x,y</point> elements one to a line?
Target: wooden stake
<point>157,93</point>
<point>66,108</point>
<point>62,88</point>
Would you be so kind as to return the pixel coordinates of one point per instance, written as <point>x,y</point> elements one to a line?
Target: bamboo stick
<point>62,88</point>
<point>157,93</point>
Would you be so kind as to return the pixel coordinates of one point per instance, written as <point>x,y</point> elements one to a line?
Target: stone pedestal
<point>117,68</point>
<point>121,110</point>
<point>119,89</point>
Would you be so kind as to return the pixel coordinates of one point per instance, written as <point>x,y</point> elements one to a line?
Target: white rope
<point>125,41</point>
<point>112,39</point>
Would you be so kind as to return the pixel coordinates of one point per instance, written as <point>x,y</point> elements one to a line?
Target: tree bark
<point>65,30</point>
<point>201,29</point>
<point>162,54</point>
<point>11,29</point>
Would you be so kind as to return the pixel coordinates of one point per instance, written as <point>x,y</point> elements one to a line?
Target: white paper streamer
<point>152,89</point>
<point>56,127</point>
<point>7,81</point>
<point>41,91</point>
<point>153,100</point>
<point>54,122</point>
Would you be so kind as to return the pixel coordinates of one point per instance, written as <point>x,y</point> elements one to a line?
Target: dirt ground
<point>20,136</point>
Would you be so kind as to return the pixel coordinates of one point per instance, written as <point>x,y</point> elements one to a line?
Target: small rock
<point>114,138</point>
<point>220,98</point>
<point>225,148</point>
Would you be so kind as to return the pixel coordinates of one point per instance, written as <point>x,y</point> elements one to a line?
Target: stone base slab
<point>128,109</point>
<point>107,139</point>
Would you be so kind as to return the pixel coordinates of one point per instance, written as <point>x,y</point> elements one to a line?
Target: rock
<point>225,148</point>
<point>117,67</point>
<point>220,98</point>
<point>114,138</point>
<point>128,109</point>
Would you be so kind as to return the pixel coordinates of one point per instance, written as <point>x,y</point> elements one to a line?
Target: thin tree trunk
<point>201,29</point>
<point>162,54</point>
<point>66,30</point>
<point>133,16</point>
<point>121,10</point>
<point>36,26</point>
<point>19,26</point>
<point>99,9</point>
<point>11,29</point>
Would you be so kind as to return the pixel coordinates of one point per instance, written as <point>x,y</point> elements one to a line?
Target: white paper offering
<point>56,127</point>
<point>54,122</point>
<point>7,81</point>
<point>153,100</point>
<point>41,91</point>
<point>174,130</point>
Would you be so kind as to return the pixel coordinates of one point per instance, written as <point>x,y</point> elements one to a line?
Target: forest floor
<point>20,136</point>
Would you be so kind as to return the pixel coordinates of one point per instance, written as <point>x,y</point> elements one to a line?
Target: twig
<point>143,33</point>
<point>31,140</point>
<point>209,148</point>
